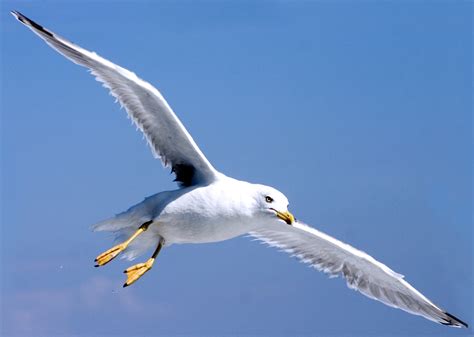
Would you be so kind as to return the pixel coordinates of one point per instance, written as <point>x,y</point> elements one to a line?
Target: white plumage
<point>361,271</point>
<point>212,207</point>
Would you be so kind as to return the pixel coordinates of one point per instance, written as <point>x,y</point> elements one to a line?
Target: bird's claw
<point>109,255</point>
<point>136,271</point>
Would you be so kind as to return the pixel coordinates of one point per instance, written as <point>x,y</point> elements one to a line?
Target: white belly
<point>198,232</point>
<point>204,214</point>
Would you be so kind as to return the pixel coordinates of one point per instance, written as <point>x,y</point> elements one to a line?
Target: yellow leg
<point>138,270</point>
<point>110,254</point>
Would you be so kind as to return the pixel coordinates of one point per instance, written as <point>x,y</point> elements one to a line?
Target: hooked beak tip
<point>286,216</point>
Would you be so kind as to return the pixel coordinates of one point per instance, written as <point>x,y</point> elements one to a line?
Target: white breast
<point>211,213</point>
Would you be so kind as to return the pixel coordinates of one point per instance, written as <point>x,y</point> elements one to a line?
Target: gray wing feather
<point>361,271</point>
<point>164,132</point>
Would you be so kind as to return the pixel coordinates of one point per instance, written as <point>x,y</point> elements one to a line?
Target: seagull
<point>210,207</point>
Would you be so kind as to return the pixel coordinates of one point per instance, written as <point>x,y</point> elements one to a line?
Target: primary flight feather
<point>210,206</point>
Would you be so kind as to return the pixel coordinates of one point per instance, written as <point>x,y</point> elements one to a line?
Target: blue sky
<point>360,112</point>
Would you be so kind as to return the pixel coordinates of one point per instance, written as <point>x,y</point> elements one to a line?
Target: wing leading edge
<point>164,132</point>
<point>361,271</point>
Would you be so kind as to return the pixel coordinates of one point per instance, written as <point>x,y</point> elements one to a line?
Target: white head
<point>272,204</point>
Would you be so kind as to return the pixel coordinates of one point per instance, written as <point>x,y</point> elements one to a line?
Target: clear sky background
<point>359,111</point>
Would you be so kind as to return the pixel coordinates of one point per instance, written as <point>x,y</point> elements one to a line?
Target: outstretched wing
<point>164,132</point>
<point>361,271</point>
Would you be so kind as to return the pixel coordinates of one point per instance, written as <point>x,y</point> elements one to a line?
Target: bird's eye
<point>269,199</point>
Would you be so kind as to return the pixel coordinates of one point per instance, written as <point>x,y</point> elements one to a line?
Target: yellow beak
<point>286,216</point>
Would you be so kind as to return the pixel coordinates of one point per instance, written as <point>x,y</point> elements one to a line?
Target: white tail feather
<point>123,226</point>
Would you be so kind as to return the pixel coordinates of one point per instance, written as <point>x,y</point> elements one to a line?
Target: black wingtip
<point>455,321</point>
<point>26,21</point>
<point>16,14</point>
<point>20,17</point>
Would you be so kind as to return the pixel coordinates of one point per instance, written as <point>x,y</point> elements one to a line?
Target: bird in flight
<point>211,207</point>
